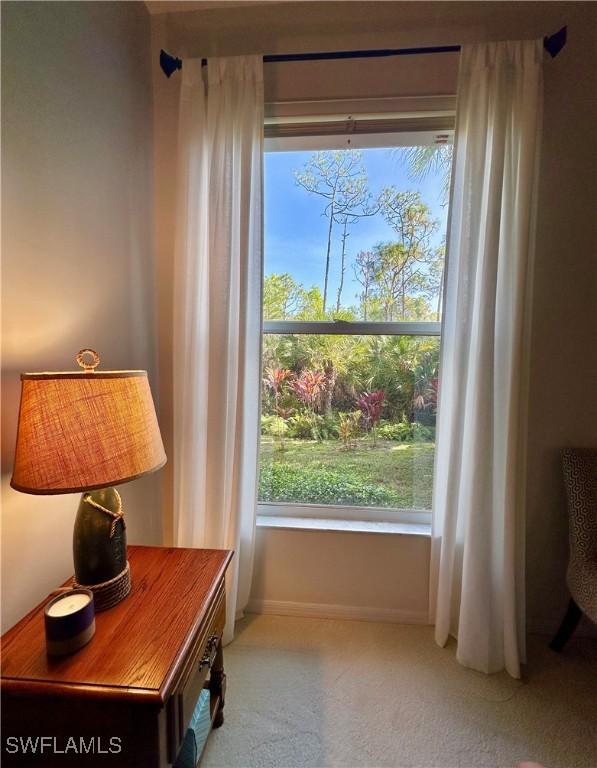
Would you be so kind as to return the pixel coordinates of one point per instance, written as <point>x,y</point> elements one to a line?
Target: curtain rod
<point>553,44</point>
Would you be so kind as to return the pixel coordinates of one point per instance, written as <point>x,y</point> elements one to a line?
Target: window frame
<point>340,512</point>
<point>352,328</point>
<point>291,138</point>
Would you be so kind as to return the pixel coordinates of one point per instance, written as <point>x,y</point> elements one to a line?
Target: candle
<point>69,603</point>
<point>69,621</point>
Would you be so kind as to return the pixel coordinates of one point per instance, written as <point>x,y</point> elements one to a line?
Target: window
<point>353,282</point>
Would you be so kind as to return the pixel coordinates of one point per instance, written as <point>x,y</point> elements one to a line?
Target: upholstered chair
<point>580,477</point>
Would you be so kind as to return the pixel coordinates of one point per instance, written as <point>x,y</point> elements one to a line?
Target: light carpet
<point>319,693</point>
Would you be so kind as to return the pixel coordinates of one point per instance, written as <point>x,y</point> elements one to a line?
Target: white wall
<point>77,261</point>
<point>564,353</point>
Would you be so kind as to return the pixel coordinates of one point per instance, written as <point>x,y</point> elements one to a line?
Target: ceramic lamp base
<point>99,548</point>
<point>110,593</point>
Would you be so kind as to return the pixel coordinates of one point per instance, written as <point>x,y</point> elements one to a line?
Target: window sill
<point>350,526</point>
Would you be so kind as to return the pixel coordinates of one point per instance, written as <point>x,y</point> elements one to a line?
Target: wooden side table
<point>127,697</point>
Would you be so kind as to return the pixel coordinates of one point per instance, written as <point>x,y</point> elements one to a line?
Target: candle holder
<point>70,621</point>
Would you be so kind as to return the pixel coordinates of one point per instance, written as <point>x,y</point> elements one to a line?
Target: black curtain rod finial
<point>554,43</point>
<point>169,64</point>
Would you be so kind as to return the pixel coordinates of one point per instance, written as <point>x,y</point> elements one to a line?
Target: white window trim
<point>338,512</point>
<point>344,139</point>
<point>397,123</point>
<point>391,107</point>
<point>343,525</point>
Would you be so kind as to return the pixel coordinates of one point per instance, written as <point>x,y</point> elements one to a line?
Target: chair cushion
<point>580,475</point>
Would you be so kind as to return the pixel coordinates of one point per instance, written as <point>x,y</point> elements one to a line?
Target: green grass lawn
<point>389,474</point>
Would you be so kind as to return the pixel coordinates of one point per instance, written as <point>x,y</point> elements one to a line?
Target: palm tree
<point>431,158</point>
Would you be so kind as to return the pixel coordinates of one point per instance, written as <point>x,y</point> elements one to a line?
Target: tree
<point>400,285</point>
<point>364,272</point>
<point>432,158</point>
<point>399,365</point>
<point>340,179</point>
<point>284,298</point>
<point>344,238</point>
<point>436,273</point>
<point>404,268</point>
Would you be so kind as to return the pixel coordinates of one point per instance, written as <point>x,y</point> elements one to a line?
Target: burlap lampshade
<point>87,431</point>
<point>80,431</point>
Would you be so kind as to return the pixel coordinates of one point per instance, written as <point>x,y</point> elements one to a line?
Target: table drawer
<point>195,670</point>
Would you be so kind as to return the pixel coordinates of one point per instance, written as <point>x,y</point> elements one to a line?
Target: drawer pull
<point>210,652</point>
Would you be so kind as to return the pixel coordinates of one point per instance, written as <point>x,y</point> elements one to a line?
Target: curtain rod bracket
<point>553,44</point>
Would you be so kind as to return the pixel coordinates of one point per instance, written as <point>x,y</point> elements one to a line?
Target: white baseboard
<point>348,612</point>
<point>387,615</point>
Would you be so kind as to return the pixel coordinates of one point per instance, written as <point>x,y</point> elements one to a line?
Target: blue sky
<point>296,230</point>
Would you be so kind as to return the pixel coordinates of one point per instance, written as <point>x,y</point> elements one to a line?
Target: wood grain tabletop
<point>137,643</point>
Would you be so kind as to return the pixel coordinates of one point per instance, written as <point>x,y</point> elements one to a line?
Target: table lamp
<point>87,431</point>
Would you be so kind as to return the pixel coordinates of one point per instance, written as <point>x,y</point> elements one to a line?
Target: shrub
<point>273,425</point>
<point>328,426</point>
<point>311,426</point>
<point>301,426</point>
<point>317,485</point>
<point>309,386</point>
<point>422,433</point>
<point>274,379</point>
<point>405,432</point>
<point>400,432</point>
<point>348,428</point>
<point>370,405</point>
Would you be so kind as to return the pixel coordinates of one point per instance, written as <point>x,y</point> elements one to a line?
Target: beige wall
<point>564,353</point>
<point>341,574</point>
<point>77,262</point>
<point>563,404</point>
<point>78,270</point>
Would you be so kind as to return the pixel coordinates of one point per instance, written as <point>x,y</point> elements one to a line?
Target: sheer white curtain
<point>217,315</point>
<point>477,574</point>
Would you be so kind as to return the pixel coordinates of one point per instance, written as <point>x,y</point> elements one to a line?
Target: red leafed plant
<point>274,381</point>
<point>275,378</point>
<point>370,405</point>
<point>309,387</point>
